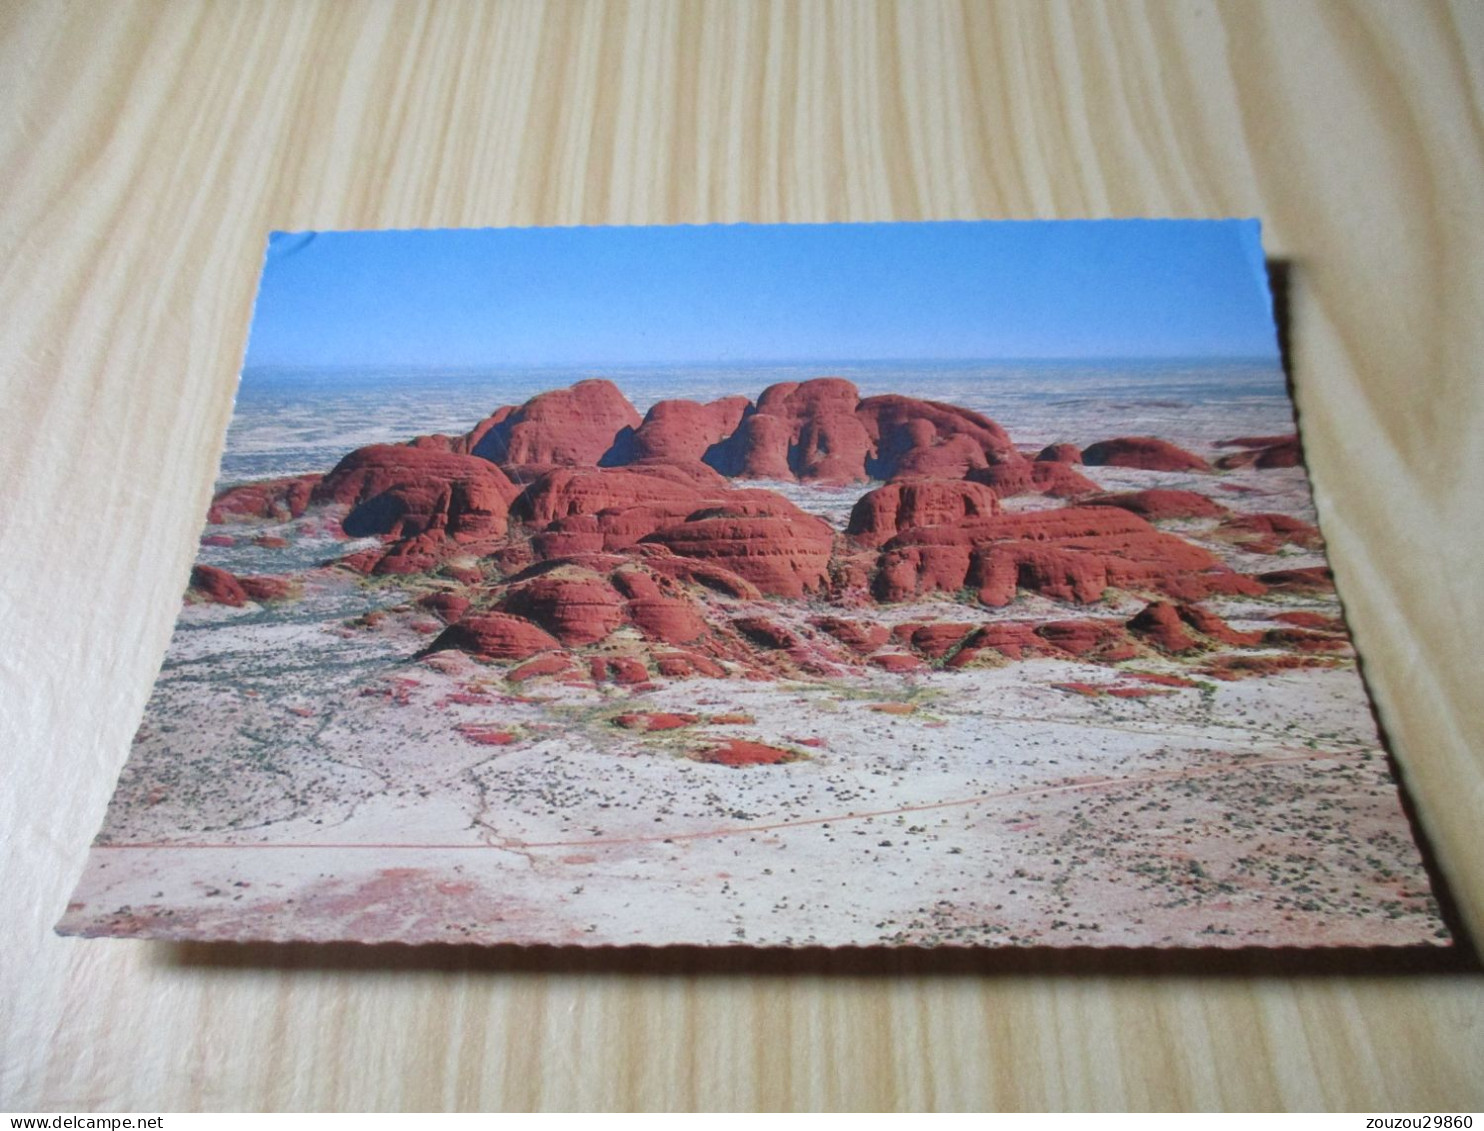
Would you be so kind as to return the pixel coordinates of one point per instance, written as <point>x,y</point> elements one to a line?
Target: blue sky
<point>735,294</point>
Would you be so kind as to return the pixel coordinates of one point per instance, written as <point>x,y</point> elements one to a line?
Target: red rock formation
<point>1068,554</point>
<point>566,493</point>
<point>447,607</point>
<point>933,640</point>
<point>217,586</point>
<point>783,555</point>
<point>882,514</point>
<point>1244,667</point>
<point>739,752</point>
<point>683,665</point>
<point>1042,477</point>
<point>1302,640</point>
<point>896,662</point>
<point>1268,533</point>
<point>817,439</point>
<point>1160,624</point>
<point>860,636</point>
<point>655,720</point>
<point>486,734</point>
<point>569,427</point>
<point>1210,625</point>
<point>575,605</point>
<point>765,633</point>
<point>898,426</point>
<point>1144,452</point>
<point>495,636</point>
<point>676,431</point>
<point>402,492</point>
<point>1263,452</point>
<point>707,575</point>
<point>1060,453</point>
<point>821,431</point>
<point>266,588</point>
<point>1307,579</point>
<point>551,664</point>
<point>275,499</point>
<point>1095,639</point>
<point>1157,505</point>
<point>1014,640</point>
<point>658,607</point>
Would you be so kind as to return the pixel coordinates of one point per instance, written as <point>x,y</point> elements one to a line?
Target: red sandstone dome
<point>575,426</point>
<point>403,491</point>
<point>1144,452</point>
<point>1157,505</point>
<point>1262,452</point>
<point>784,555</point>
<point>686,430</point>
<point>884,513</point>
<point>278,499</point>
<point>1060,453</point>
<point>1040,477</point>
<point>1067,554</point>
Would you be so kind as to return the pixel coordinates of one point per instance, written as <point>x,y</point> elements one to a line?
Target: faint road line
<point>659,838</point>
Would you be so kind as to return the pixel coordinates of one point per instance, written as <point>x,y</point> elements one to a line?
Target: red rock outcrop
<point>882,514</point>
<point>1209,624</point>
<point>784,555</point>
<point>805,431</point>
<point>275,499</point>
<point>565,493</point>
<point>217,586</point>
<point>658,606</point>
<point>933,640</point>
<point>739,752</point>
<point>900,426</point>
<point>1039,477</point>
<point>575,605</point>
<point>1157,504</point>
<point>1145,452</point>
<point>1067,554</point>
<point>1304,580</point>
<point>447,607</point>
<point>402,492</point>
<point>683,665</point>
<point>685,430</point>
<point>266,588</point>
<point>1262,452</point>
<point>576,426</point>
<point>1104,640</point>
<point>496,636</point>
<point>550,664</point>
<point>860,636</point>
<point>654,720</point>
<point>1268,533</point>
<point>1160,624</point>
<point>1170,627</point>
<point>1060,453</point>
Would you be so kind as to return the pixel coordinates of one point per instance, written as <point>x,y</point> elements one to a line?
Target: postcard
<point>797,585</point>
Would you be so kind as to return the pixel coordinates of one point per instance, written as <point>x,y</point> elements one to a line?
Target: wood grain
<point>146,149</point>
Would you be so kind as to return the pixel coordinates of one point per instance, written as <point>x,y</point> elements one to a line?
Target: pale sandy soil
<point>297,778</point>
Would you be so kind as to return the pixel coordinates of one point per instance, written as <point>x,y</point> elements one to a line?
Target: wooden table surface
<point>146,149</point>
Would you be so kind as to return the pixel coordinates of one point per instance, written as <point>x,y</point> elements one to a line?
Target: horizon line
<point>757,363</point>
